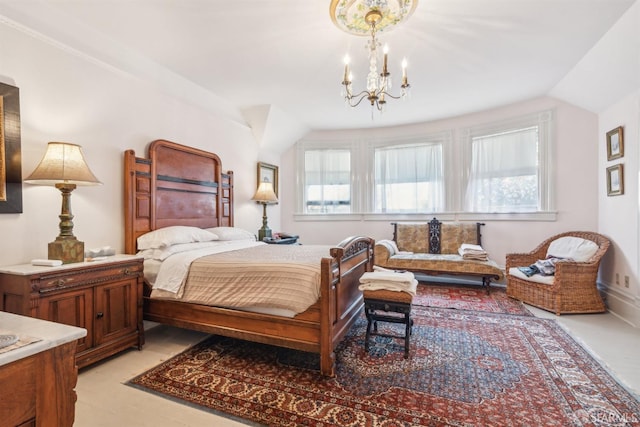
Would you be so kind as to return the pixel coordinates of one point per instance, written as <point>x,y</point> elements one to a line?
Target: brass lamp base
<point>264,232</point>
<point>68,250</point>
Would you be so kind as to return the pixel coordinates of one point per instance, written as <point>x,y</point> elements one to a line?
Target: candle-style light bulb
<point>404,72</point>
<point>346,78</point>
<point>385,49</point>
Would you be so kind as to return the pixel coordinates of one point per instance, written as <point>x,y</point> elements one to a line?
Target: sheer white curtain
<point>409,178</point>
<point>504,172</point>
<point>327,181</point>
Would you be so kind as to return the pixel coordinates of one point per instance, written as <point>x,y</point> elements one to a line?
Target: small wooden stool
<point>377,305</point>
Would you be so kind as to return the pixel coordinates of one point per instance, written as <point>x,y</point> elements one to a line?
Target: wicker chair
<point>574,288</point>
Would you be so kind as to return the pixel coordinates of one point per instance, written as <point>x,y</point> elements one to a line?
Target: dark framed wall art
<point>10,151</point>
<point>267,172</point>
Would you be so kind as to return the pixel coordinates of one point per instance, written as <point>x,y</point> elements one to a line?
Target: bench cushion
<point>538,278</point>
<point>440,263</point>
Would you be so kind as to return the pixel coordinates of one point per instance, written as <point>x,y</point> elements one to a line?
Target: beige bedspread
<point>283,277</point>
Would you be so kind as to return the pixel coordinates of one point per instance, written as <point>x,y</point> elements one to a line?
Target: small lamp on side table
<point>64,167</point>
<point>266,196</point>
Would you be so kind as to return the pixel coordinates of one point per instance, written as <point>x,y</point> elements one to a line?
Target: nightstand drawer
<point>63,280</point>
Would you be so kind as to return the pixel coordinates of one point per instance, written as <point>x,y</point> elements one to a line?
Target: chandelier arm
<point>389,95</point>
<point>364,94</point>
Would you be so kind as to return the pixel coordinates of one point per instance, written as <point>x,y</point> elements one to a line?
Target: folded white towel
<point>478,256</point>
<point>409,287</point>
<point>465,247</point>
<point>472,252</point>
<point>387,276</point>
<point>475,257</point>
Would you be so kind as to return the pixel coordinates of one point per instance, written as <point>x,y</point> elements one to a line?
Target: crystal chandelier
<point>368,17</point>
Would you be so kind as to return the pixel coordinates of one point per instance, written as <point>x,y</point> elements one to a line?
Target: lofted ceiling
<point>284,58</point>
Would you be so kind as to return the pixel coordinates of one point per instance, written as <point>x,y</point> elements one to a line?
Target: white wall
<point>576,178</point>
<point>607,80</point>
<point>619,214</point>
<point>65,96</point>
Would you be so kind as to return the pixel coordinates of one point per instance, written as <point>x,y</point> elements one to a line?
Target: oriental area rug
<point>468,297</point>
<point>466,368</point>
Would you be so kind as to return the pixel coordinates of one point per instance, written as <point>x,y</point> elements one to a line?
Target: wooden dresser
<point>104,297</point>
<point>37,380</point>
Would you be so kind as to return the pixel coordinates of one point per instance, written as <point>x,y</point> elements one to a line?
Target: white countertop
<point>51,334</point>
<point>26,269</point>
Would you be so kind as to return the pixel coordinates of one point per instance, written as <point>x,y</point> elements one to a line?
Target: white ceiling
<point>284,57</point>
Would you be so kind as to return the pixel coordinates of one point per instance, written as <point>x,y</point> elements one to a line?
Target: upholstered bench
<point>388,306</point>
<point>433,249</point>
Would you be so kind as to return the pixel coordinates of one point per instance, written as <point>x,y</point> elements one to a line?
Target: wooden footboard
<point>340,299</point>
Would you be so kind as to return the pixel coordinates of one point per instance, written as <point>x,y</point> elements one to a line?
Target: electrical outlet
<point>626,281</point>
<point>617,278</point>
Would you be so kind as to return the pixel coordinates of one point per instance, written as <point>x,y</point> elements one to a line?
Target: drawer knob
<point>130,272</point>
<point>99,315</point>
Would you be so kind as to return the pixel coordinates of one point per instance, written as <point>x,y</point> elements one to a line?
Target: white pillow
<point>173,235</point>
<point>232,233</point>
<point>578,249</point>
<point>160,254</point>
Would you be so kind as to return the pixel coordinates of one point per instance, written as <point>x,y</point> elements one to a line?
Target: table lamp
<point>64,167</point>
<point>265,195</point>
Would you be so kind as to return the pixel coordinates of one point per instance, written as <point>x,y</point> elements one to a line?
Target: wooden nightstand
<point>104,297</point>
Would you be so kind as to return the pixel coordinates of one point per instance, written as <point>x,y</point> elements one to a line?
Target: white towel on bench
<point>474,252</point>
<point>385,279</point>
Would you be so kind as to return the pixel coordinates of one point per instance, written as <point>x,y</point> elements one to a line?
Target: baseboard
<point>622,305</point>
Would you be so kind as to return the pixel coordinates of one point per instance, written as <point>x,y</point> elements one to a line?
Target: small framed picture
<point>615,180</point>
<point>267,172</point>
<point>615,144</point>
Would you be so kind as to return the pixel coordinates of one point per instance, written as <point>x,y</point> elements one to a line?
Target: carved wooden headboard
<point>175,185</point>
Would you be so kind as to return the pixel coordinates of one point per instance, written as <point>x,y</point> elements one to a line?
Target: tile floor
<point>104,400</point>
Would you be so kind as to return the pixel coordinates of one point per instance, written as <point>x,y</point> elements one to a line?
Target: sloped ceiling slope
<point>281,61</point>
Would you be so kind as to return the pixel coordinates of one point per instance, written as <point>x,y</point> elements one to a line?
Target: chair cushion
<point>538,278</point>
<point>576,248</point>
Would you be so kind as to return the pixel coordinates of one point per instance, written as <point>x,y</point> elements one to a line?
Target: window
<point>408,178</point>
<point>499,171</point>
<point>327,181</point>
<point>507,168</point>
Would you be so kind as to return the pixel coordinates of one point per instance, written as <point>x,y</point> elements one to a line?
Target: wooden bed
<point>179,185</point>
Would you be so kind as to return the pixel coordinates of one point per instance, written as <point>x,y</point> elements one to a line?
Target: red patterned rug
<point>468,297</point>
<point>465,369</point>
